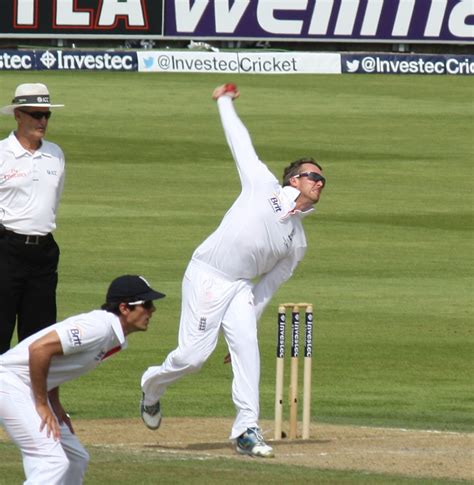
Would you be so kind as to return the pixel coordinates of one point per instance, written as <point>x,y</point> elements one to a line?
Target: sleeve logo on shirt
<point>275,204</point>
<point>75,336</point>
<point>202,324</point>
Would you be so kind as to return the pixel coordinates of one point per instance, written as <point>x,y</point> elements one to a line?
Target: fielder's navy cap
<point>131,289</point>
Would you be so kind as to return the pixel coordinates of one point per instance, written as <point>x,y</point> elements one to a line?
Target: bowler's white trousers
<point>212,302</point>
<point>45,461</point>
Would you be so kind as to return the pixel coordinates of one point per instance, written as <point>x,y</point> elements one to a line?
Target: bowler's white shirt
<point>30,186</point>
<point>86,339</point>
<point>261,235</point>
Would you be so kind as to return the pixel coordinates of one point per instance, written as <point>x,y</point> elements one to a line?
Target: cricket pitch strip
<point>412,453</point>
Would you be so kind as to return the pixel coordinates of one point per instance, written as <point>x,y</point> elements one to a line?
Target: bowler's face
<point>310,190</point>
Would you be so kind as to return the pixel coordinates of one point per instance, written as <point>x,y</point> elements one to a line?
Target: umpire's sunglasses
<point>37,115</point>
<point>314,176</point>
<point>146,304</point>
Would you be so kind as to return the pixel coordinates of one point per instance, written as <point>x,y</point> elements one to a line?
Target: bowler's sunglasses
<point>37,115</point>
<point>314,176</point>
<point>146,304</point>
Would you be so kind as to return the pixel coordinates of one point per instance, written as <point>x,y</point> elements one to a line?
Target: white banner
<point>240,62</point>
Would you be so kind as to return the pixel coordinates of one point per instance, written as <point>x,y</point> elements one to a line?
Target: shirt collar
<point>289,194</point>
<point>18,150</point>
<point>118,330</point>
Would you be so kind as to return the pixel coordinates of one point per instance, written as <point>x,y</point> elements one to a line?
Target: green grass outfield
<point>389,262</point>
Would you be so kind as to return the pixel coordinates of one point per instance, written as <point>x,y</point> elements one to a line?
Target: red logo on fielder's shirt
<point>111,352</point>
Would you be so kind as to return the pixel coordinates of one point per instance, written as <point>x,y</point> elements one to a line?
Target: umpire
<point>31,183</point>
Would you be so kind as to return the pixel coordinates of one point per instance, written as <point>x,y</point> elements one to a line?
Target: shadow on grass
<point>223,445</point>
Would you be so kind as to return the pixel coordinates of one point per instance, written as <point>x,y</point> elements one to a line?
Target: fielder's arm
<point>40,354</point>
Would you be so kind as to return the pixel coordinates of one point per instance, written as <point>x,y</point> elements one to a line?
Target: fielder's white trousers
<point>210,303</point>
<point>45,461</point>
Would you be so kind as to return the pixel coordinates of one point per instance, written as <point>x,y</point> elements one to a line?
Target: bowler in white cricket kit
<point>261,238</point>
<point>31,373</point>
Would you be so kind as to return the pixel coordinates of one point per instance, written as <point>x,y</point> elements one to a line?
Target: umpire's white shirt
<point>86,339</point>
<point>261,235</point>
<point>30,186</point>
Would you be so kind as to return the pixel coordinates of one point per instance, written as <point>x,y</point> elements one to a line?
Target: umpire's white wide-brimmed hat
<point>30,94</point>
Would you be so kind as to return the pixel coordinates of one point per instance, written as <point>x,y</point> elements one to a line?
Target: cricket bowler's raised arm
<point>238,138</point>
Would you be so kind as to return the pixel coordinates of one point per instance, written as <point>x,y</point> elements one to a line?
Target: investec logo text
<point>411,65</point>
<point>88,61</point>
<point>9,61</point>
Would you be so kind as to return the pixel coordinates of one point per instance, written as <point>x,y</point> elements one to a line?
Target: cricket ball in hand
<point>230,87</point>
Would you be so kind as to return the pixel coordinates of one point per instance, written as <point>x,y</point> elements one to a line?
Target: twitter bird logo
<point>148,61</point>
<point>352,66</point>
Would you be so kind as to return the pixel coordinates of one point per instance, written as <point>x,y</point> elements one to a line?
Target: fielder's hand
<point>48,422</point>
<point>63,417</point>
<point>229,89</point>
<point>59,411</point>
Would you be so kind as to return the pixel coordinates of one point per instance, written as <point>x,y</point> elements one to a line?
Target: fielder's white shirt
<point>86,339</point>
<point>30,186</point>
<point>261,235</point>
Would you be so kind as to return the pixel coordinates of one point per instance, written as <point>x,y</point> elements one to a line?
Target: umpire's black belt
<point>28,239</point>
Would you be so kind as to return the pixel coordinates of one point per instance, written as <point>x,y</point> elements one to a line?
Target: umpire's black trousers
<point>28,281</point>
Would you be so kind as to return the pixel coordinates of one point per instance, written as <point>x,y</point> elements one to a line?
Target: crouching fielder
<point>31,373</point>
<point>260,237</point>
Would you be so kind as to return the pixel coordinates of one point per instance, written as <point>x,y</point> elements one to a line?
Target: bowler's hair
<point>294,169</point>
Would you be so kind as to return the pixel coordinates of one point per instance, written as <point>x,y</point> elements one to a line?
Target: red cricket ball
<point>229,87</point>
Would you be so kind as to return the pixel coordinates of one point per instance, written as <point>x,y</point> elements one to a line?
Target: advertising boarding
<point>388,21</point>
